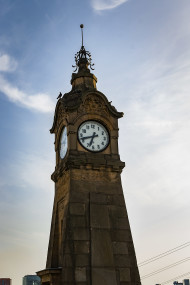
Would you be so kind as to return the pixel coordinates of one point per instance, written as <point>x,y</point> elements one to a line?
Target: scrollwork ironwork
<point>83,56</point>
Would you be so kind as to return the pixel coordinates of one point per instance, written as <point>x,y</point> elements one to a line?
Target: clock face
<point>63,143</point>
<point>93,136</point>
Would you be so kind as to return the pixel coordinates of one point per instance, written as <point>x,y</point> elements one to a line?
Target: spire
<point>83,56</point>
<point>82,62</point>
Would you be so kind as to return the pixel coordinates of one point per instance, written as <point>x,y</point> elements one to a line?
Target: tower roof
<point>83,78</point>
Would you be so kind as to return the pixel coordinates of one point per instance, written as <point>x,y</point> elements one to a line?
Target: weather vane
<point>82,56</point>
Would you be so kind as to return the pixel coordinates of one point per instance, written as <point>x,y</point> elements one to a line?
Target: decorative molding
<point>96,175</point>
<point>105,162</point>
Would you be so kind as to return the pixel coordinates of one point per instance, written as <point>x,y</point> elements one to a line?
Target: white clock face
<point>93,136</point>
<point>63,143</point>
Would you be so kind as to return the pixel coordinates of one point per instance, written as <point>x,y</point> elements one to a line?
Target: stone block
<point>133,261</point>
<point>78,222</point>
<point>96,161</point>
<point>99,216</point>
<point>123,223</point>
<point>81,260</point>
<point>67,260</point>
<point>81,234</point>
<point>117,211</point>
<point>77,209</point>
<point>107,187</point>
<point>67,275</point>
<point>98,198</point>
<point>82,186</point>
<point>82,247</point>
<point>124,274</point>
<point>102,251</point>
<point>119,200</point>
<point>120,247</point>
<point>80,274</point>
<point>122,260</point>
<point>131,249</point>
<point>134,274</point>
<point>103,276</point>
<point>119,223</point>
<point>66,248</point>
<point>78,197</point>
<point>121,235</point>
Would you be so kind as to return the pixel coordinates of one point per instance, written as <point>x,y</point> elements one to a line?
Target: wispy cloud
<point>40,102</point>
<point>7,63</point>
<point>158,127</point>
<point>100,5</point>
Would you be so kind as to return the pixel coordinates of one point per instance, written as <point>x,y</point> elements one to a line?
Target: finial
<point>82,26</point>
<point>82,56</point>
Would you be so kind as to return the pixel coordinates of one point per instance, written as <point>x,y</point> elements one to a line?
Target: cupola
<point>83,79</point>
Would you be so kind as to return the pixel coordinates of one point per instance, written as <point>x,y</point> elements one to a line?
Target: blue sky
<point>141,51</point>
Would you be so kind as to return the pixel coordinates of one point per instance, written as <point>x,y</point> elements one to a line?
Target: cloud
<point>100,5</point>
<point>7,63</point>
<point>39,102</point>
<point>39,167</point>
<point>158,127</point>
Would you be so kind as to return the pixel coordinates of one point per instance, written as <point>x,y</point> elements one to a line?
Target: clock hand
<point>89,137</point>
<point>93,136</point>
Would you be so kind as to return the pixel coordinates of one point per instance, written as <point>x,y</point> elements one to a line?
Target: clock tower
<point>90,240</point>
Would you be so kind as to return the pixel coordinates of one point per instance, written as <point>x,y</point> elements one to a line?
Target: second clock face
<point>93,136</point>
<point>63,143</point>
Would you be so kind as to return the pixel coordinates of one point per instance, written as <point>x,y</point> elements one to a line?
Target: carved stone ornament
<point>72,99</point>
<point>93,104</point>
<point>85,102</point>
<point>59,117</point>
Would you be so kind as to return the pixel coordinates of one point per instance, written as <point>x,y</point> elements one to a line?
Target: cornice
<point>83,160</point>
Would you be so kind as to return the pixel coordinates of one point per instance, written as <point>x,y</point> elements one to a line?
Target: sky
<point>141,51</point>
